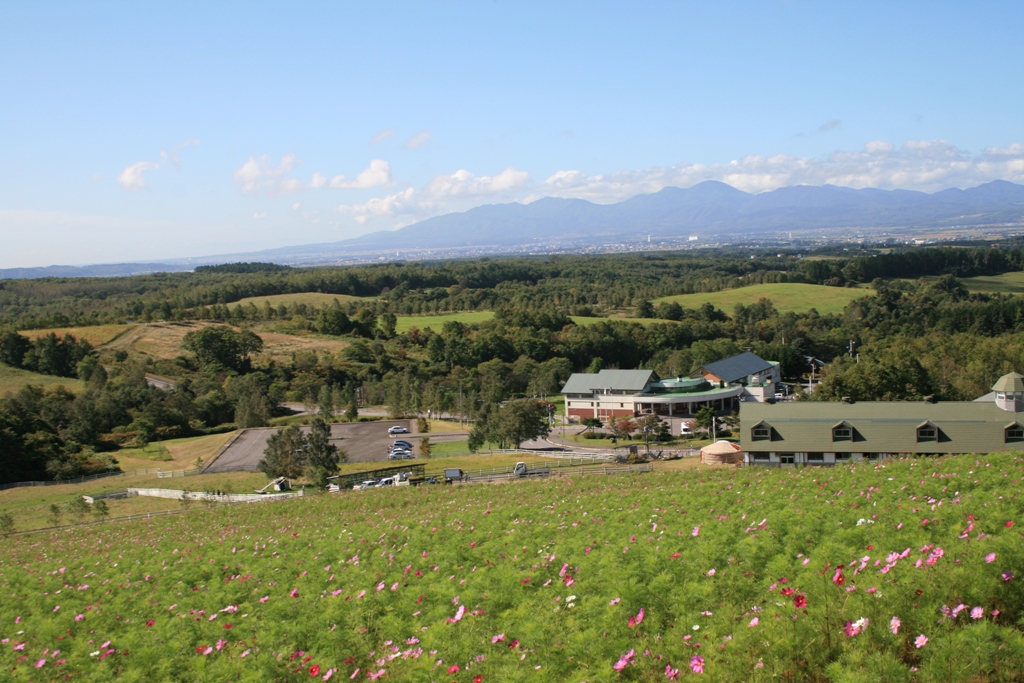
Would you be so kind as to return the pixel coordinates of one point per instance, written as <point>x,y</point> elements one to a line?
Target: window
<point>815,457</point>
<point>927,433</point>
<point>786,458</point>
<point>762,456</point>
<point>842,456</point>
<point>842,433</point>
<point>875,456</point>
<point>1014,433</point>
<point>762,431</point>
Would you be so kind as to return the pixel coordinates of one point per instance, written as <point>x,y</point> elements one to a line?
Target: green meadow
<point>436,322</point>
<point>787,297</point>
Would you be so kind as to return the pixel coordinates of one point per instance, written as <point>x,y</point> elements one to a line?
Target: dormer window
<point>762,431</point>
<point>842,432</point>
<point>1013,433</point>
<point>927,432</point>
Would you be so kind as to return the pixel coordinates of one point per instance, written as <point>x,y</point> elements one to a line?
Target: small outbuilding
<point>721,453</point>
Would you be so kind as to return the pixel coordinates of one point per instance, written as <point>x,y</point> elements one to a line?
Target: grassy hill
<point>12,379</point>
<point>96,335</point>
<point>787,297</point>
<point>436,322</point>
<point>817,574</point>
<point>309,298</point>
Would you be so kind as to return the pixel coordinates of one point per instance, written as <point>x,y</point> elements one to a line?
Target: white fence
<point>175,494</point>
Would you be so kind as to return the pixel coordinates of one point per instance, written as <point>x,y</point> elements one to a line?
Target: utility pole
<point>851,347</point>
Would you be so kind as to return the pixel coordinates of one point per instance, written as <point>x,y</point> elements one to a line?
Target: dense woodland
<point>911,339</point>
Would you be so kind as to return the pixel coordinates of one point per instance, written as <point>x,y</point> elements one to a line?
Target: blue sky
<point>138,131</point>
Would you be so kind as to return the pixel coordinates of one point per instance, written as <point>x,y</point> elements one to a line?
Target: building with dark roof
<point>813,433</point>
<point>627,393</point>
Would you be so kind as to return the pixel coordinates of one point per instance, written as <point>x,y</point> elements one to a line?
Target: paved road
<point>362,441</point>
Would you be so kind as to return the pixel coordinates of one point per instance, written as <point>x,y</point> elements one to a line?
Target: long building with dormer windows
<point>816,433</point>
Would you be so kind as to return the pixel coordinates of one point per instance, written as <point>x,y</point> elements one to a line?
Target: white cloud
<point>132,179</point>
<point>376,174</point>
<point>259,215</point>
<point>172,156</point>
<point>296,206</point>
<point>383,135</point>
<point>257,174</point>
<point>927,165</point>
<point>443,193</point>
<point>418,139</point>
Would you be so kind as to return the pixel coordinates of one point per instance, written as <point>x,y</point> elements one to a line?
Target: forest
<point>911,338</point>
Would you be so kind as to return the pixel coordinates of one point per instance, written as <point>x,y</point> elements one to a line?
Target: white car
<point>401,454</point>
<point>368,484</point>
<point>397,429</point>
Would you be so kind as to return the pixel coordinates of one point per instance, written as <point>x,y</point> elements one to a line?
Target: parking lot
<point>361,441</point>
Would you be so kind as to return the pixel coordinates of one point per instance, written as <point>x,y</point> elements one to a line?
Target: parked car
<point>368,484</point>
<point>401,454</point>
<point>401,444</point>
<point>397,429</point>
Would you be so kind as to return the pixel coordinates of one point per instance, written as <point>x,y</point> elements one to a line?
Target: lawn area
<point>173,454</point>
<point>95,335</point>
<point>162,341</point>
<point>317,299</point>
<point>13,379</point>
<point>1006,283</point>
<point>435,322</point>
<point>787,297</point>
<point>30,505</point>
<point>902,571</point>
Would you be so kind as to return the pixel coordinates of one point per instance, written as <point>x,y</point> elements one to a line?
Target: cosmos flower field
<point>908,570</point>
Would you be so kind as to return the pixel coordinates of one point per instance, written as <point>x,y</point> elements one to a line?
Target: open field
<point>174,454</point>
<point>162,341</point>
<point>12,379</point>
<point>787,297</point>
<point>1006,283</point>
<point>309,298</point>
<point>751,574</point>
<point>95,335</point>
<point>436,322</point>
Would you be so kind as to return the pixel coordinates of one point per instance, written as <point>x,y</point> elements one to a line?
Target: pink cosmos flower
<point>696,531</point>
<point>294,593</point>
<point>375,675</point>
<point>1007,577</point>
<point>920,641</point>
<point>453,669</point>
<point>697,664</point>
<point>458,614</point>
<point>79,617</point>
<point>40,663</point>
<point>635,621</point>
<point>614,601</point>
<point>498,638</point>
<point>264,599</point>
<point>670,673</point>
<point>354,674</point>
<point>327,676</point>
<point>894,625</point>
<point>990,558</point>
<point>977,613</point>
<point>754,622</point>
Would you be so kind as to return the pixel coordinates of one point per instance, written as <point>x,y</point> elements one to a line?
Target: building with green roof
<point>813,433</point>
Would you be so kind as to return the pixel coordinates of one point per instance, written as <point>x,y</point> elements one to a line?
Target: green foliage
<point>7,525</point>
<point>425,447</point>
<point>321,456</point>
<point>283,456</point>
<point>220,346</point>
<point>100,509</point>
<point>79,508</point>
<point>55,514</point>
<point>554,571</point>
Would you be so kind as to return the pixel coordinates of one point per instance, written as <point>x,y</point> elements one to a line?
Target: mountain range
<point>710,209</point>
